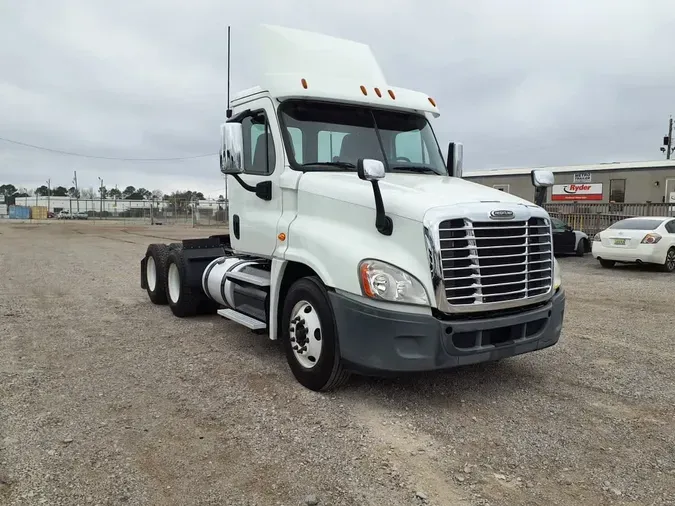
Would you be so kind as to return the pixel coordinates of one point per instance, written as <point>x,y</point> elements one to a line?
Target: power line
<point>71,153</point>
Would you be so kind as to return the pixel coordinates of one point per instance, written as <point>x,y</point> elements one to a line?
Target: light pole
<point>49,194</point>
<point>100,194</point>
<point>668,140</point>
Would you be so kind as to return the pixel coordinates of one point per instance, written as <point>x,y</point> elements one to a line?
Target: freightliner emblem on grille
<point>501,214</point>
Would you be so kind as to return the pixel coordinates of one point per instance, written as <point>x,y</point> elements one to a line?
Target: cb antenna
<point>228,113</point>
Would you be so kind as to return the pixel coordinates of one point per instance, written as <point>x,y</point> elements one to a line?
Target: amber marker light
<point>363,90</point>
<point>303,81</point>
<point>282,236</point>
<point>378,92</point>
<point>391,94</point>
<point>432,101</point>
<point>365,282</point>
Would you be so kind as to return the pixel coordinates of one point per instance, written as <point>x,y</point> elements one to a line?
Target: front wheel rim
<point>306,335</point>
<point>173,282</point>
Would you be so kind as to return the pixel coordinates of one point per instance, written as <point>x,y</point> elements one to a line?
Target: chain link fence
<point>592,218</point>
<point>196,213</point>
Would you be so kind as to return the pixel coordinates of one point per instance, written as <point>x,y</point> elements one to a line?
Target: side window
<point>670,226</point>
<point>411,146</point>
<point>329,145</point>
<point>259,153</point>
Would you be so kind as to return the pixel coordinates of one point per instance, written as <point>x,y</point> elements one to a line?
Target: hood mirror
<point>373,170</point>
<point>370,170</point>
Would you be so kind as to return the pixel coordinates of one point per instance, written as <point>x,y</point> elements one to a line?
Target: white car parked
<point>642,240</point>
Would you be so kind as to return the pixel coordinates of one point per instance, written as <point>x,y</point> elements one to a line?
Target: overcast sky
<point>521,83</point>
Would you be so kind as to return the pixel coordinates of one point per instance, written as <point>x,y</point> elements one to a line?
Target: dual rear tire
<point>166,282</point>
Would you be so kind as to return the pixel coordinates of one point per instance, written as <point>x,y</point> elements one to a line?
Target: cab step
<point>242,319</point>
<point>253,279</point>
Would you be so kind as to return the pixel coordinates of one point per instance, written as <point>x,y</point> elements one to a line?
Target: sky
<point>523,83</point>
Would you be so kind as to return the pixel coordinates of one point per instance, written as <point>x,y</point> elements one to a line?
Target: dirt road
<point>108,399</point>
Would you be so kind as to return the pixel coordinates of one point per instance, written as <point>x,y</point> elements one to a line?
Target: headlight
<point>597,238</point>
<point>382,281</point>
<point>557,275</point>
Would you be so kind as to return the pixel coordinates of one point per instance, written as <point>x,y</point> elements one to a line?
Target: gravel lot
<point>108,399</point>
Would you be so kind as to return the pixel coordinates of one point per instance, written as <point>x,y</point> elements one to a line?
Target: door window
<point>558,225</point>
<point>259,153</point>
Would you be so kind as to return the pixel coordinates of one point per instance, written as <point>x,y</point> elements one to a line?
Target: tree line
<point>11,192</point>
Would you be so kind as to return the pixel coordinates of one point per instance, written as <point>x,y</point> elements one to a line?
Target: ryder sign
<point>577,191</point>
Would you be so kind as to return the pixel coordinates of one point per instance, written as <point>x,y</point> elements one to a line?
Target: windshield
<point>325,136</point>
<point>637,224</point>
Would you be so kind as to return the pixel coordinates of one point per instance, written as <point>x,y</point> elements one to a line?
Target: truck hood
<point>405,195</point>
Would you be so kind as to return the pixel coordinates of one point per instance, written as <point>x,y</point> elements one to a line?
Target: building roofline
<point>658,164</point>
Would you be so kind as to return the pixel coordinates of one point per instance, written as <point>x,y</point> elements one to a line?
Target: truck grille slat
<point>487,262</point>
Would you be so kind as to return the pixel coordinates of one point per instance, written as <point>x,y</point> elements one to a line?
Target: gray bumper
<point>376,341</point>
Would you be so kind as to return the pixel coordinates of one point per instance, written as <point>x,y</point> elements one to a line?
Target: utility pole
<point>77,194</point>
<point>49,194</point>
<point>668,140</point>
<point>100,194</point>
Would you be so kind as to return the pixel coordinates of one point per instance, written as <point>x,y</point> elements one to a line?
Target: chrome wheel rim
<point>306,334</point>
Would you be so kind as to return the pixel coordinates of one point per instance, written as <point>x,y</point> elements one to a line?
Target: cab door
<point>253,215</point>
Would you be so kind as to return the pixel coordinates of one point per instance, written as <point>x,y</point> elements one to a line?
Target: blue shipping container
<point>19,213</point>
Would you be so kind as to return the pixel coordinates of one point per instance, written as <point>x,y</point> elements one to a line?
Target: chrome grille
<point>489,262</point>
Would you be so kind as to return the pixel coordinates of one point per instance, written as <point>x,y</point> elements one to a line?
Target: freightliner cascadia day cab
<point>351,240</point>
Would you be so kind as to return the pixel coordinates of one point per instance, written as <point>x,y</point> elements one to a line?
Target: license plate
<point>619,242</point>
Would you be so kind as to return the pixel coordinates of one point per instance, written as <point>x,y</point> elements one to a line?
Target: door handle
<point>235,225</point>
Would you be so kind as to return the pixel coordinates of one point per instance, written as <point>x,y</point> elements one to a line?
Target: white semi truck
<point>351,240</point>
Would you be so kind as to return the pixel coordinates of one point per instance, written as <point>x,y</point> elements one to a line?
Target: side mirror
<point>542,178</point>
<point>369,169</point>
<point>232,148</point>
<point>455,159</point>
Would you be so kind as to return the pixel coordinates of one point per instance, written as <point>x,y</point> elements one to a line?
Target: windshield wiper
<point>414,168</point>
<point>342,165</point>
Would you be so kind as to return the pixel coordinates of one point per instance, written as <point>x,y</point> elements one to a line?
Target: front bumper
<point>646,253</point>
<point>377,341</point>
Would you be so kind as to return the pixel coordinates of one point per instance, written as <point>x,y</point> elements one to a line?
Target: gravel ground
<point>108,399</point>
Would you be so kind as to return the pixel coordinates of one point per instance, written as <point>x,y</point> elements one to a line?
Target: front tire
<point>309,336</point>
<point>669,264</point>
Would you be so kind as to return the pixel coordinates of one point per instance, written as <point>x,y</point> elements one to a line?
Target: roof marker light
<point>378,92</point>
<point>391,94</point>
<point>363,90</point>
<point>432,101</point>
<point>303,81</point>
